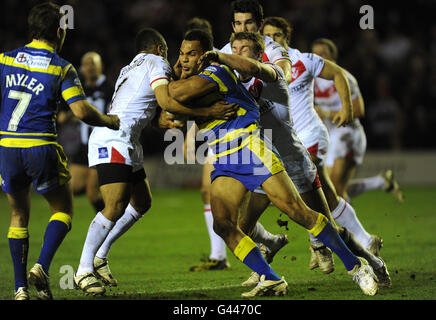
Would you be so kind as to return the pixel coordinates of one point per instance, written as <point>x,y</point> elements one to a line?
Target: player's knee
<point>221,227</point>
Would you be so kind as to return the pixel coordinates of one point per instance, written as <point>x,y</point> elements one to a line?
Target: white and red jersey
<point>273,51</point>
<point>273,100</point>
<point>327,97</point>
<point>305,68</point>
<point>134,101</point>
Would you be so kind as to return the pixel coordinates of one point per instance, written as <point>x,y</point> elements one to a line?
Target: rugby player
<point>273,98</point>
<point>244,161</point>
<point>33,79</point>
<point>314,135</point>
<point>348,143</point>
<point>141,87</point>
<point>247,15</point>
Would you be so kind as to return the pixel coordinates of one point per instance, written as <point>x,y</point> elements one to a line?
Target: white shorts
<point>294,155</point>
<point>346,142</point>
<point>114,146</point>
<point>316,139</point>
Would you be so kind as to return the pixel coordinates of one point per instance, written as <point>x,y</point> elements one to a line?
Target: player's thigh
<point>283,194</point>
<point>115,182</point>
<point>226,197</point>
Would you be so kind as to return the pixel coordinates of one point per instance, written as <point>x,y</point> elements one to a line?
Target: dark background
<point>394,63</point>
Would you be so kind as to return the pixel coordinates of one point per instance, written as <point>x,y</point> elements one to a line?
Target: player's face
<point>244,48</point>
<point>190,53</point>
<point>276,34</point>
<point>91,67</point>
<point>322,50</point>
<point>244,22</point>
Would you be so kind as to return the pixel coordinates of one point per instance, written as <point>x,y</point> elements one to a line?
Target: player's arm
<point>244,65</point>
<point>173,104</point>
<point>286,66</point>
<point>331,71</point>
<point>86,112</point>
<point>73,94</point>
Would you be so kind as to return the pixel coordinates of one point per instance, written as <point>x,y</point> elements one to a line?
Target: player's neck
<point>49,43</point>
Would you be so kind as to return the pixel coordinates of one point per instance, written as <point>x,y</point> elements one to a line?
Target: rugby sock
<point>248,252</point>
<point>359,250</point>
<point>127,220</point>
<point>328,235</point>
<point>260,234</point>
<point>358,186</point>
<point>98,205</point>
<point>97,233</point>
<point>19,247</point>
<point>217,244</point>
<point>346,217</point>
<point>57,228</point>
<point>314,241</point>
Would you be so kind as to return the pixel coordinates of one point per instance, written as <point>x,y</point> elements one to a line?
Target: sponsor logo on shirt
<point>103,153</point>
<point>32,61</point>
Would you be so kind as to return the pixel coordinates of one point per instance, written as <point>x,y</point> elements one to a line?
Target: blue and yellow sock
<point>57,228</point>
<point>19,247</point>
<point>327,234</point>
<point>248,252</point>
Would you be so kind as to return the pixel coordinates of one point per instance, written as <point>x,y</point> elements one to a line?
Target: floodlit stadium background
<point>394,63</point>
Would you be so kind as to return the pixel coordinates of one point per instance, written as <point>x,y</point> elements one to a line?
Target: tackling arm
<point>86,112</point>
<point>244,65</point>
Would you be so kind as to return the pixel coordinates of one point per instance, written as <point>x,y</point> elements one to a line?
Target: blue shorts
<point>253,161</point>
<point>45,166</point>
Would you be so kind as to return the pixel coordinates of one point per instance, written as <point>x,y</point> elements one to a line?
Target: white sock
<point>359,186</point>
<point>346,217</point>
<point>260,234</point>
<point>97,233</point>
<point>123,224</point>
<point>217,244</point>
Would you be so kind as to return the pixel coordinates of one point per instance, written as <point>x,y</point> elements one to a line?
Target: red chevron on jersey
<point>297,69</point>
<point>326,92</point>
<point>117,157</point>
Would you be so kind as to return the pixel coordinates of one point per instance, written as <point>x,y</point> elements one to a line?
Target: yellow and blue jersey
<point>241,151</point>
<point>33,78</point>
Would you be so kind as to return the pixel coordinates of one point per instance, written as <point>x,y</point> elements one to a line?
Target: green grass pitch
<point>152,260</point>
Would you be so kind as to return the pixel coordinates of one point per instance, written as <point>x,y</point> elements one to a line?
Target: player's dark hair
<point>203,37</point>
<point>147,39</point>
<point>330,45</point>
<point>43,21</point>
<point>280,23</point>
<point>256,38</point>
<point>198,23</point>
<point>248,6</point>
